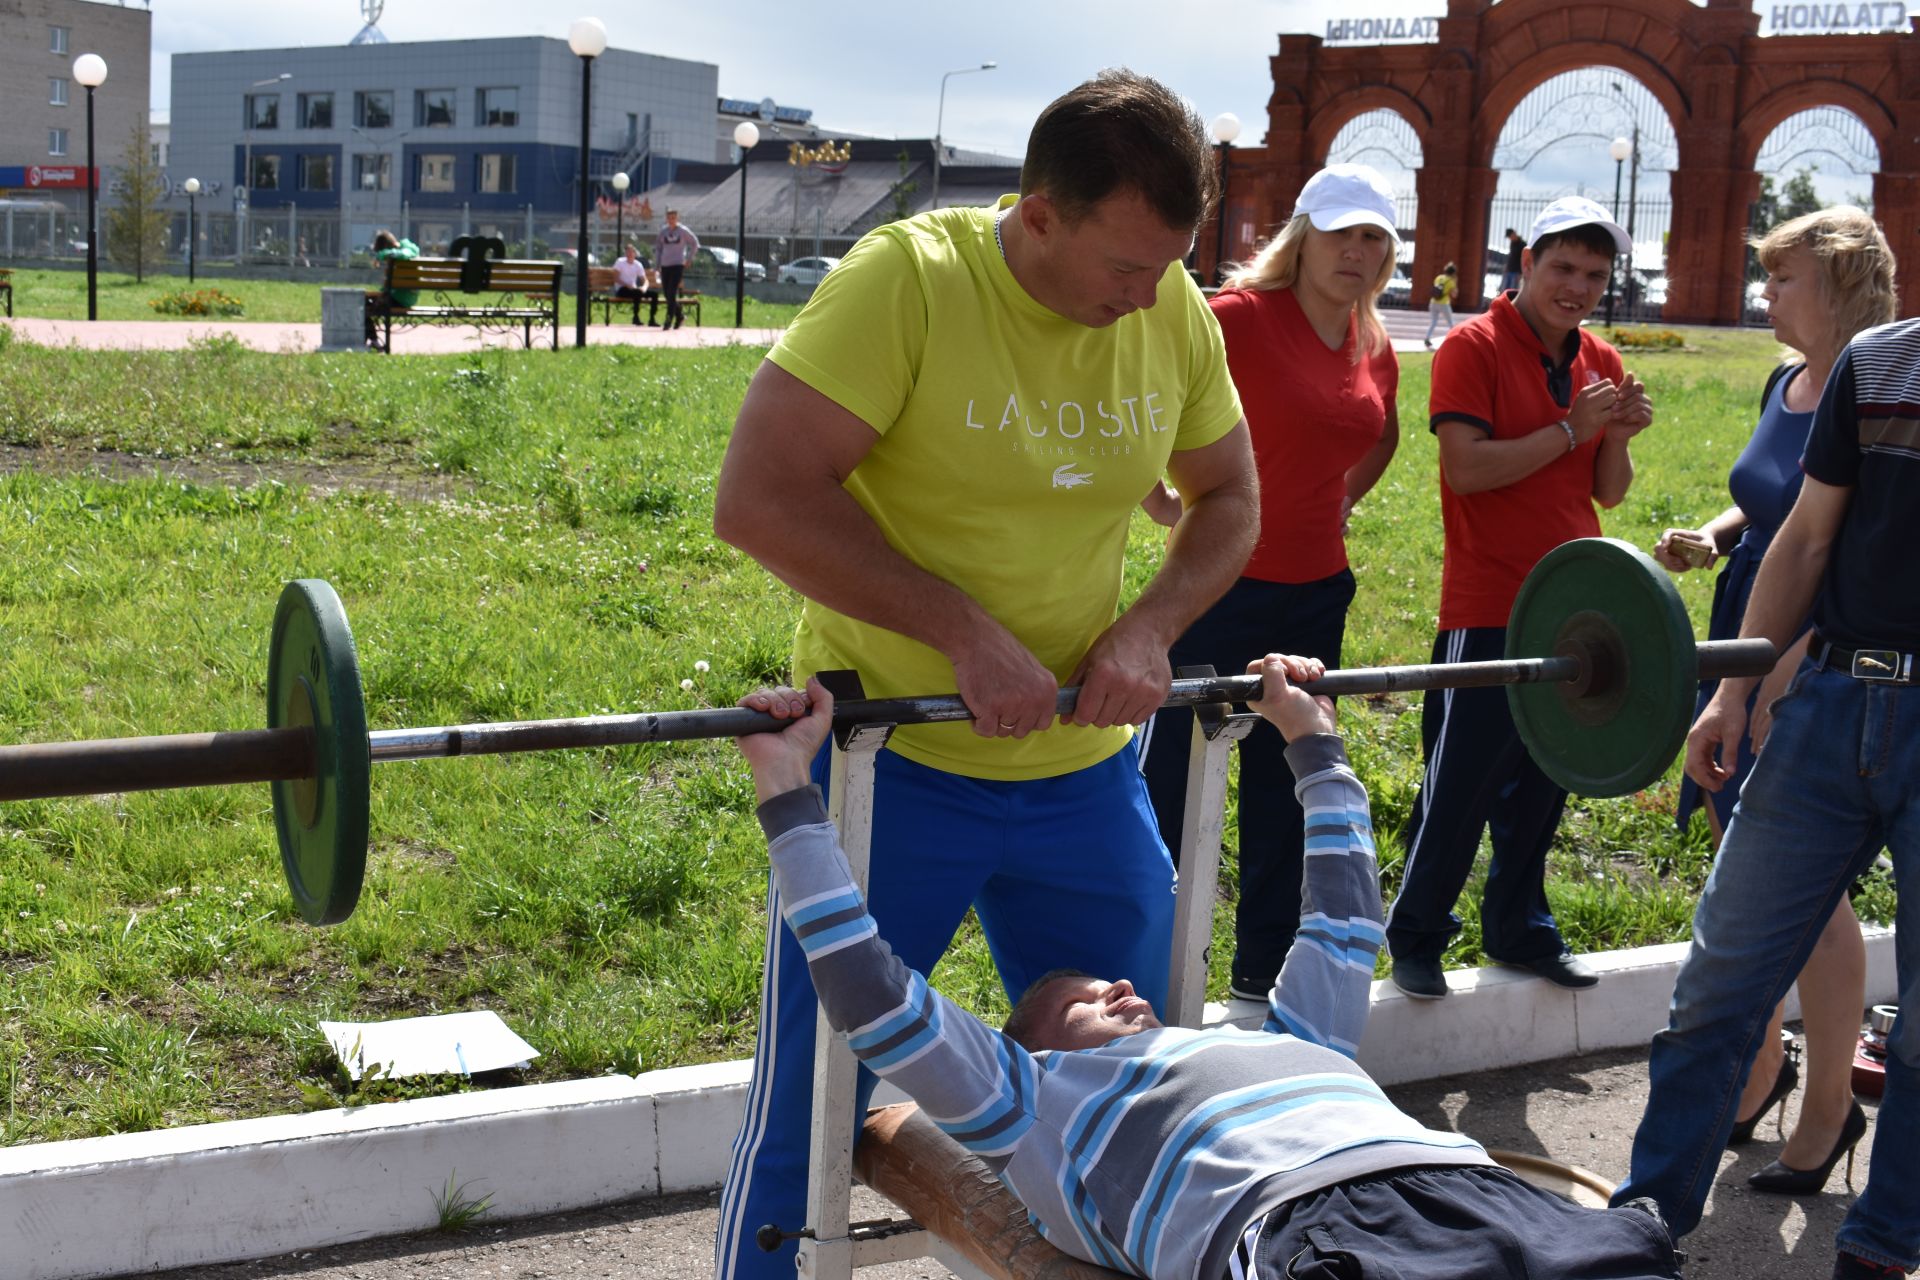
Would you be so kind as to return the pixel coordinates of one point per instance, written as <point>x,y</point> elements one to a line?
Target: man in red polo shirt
<point>1533,417</point>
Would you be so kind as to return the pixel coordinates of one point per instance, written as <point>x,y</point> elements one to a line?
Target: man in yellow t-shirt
<point>942,454</point>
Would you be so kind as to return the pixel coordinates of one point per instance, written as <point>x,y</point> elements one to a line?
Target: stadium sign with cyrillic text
<point>1836,19</point>
<point>1400,30</point>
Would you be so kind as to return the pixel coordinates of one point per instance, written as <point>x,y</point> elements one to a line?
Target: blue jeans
<point>1064,872</point>
<point>1838,781</point>
<point>1478,777</point>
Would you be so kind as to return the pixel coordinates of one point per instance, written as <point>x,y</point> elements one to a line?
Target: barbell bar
<point>1602,702</point>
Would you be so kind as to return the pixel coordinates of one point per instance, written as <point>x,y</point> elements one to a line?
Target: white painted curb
<point>255,1188</point>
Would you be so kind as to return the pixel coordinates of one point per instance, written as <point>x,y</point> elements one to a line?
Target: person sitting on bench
<point>1181,1154</point>
<point>634,281</point>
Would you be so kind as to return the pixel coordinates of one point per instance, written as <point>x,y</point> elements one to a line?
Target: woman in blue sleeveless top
<point>1829,275</point>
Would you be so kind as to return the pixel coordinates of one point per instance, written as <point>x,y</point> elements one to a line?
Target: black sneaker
<point>1237,990</point>
<point>1851,1266</point>
<point>1420,977</point>
<point>1564,970</point>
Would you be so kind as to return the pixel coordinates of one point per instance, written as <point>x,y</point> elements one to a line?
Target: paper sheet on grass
<point>439,1044</point>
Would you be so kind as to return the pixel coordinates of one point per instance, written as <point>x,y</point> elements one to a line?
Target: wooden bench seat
<point>476,289</point>
<point>952,1194</point>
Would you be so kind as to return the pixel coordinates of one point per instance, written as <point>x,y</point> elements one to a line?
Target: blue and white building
<point>438,137</point>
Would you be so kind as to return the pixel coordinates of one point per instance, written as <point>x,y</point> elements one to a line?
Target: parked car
<point>1399,291</point>
<point>714,261</point>
<point>807,270</point>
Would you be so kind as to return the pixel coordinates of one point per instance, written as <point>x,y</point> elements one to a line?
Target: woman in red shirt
<point>1317,379</point>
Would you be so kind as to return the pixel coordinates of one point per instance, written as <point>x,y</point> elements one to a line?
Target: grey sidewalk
<point>1579,1111</point>
<point>162,335</point>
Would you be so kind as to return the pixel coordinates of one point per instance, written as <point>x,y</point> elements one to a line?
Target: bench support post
<point>1198,858</point>
<point>829,1255</point>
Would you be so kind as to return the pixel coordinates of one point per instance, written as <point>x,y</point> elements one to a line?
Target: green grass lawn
<point>523,535</point>
<point>62,295</point>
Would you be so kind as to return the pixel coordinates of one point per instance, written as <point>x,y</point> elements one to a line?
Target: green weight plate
<point>1609,600</point>
<point>313,678</point>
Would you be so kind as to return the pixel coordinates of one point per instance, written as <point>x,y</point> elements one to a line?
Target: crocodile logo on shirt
<point>1065,477</point>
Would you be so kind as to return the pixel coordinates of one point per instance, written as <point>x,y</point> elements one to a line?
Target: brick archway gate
<point>1722,85</point>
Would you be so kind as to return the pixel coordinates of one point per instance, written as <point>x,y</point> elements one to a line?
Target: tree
<point>1798,197</point>
<point>903,191</point>
<point>136,225</point>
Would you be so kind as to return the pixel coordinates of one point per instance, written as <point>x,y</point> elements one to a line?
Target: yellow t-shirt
<point>1445,286</point>
<point>1014,445</point>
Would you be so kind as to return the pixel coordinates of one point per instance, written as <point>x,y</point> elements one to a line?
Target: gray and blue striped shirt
<point>1151,1153</point>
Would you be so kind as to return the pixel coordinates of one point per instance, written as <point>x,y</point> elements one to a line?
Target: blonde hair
<point>1854,262</point>
<point>1277,266</point>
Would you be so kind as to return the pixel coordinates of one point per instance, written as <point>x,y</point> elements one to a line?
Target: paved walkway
<point>1579,1111</point>
<point>164,335</point>
<point>1404,328</point>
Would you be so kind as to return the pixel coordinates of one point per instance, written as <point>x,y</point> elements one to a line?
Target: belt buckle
<point>1877,664</point>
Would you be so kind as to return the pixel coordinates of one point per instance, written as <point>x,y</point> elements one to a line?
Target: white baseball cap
<point>1569,212</point>
<point>1347,195</point>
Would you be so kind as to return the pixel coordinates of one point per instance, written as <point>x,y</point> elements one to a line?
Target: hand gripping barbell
<point>1602,701</point>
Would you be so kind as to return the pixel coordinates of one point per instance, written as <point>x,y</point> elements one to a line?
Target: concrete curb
<point>202,1194</point>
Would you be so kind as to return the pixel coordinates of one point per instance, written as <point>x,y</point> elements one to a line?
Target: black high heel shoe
<point>1783,1084</point>
<point>1787,1180</point>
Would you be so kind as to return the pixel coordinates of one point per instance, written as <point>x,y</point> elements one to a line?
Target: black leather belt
<point>1883,666</point>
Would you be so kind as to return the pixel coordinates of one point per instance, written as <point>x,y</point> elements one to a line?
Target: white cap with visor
<point>1569,212</point>
<point>1347,195</point>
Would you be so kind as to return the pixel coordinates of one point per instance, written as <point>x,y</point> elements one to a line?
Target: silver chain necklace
<point>998,243</point>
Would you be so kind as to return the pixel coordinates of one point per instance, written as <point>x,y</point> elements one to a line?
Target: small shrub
<point>1646,339</point>
<point>198,302</point>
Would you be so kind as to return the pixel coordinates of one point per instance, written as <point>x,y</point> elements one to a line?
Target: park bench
<point>483,288</point>
<point>600,284</point>
<point>6,287</point>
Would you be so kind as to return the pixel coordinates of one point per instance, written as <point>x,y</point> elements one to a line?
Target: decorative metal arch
<point>1378,132</point>
<point>1593,102</point>
<point>1830,131</point>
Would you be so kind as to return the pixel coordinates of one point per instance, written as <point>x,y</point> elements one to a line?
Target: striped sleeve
<point>1325,985</point>
<point>973,1082</point>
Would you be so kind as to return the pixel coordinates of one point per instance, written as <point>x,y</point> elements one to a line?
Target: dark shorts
<point>1468,1223</point>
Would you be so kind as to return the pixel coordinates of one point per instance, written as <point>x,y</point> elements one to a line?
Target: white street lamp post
<point>1224,129</point>
<point>620,184</point>
<point>746,135</point>
<point>90,69</point>
<point>192,187</point>
<point>1619,149</point>
<point>587,37</point>
<point>940,120</point>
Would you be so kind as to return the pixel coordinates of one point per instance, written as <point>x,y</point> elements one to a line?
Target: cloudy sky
<point>876,68</point>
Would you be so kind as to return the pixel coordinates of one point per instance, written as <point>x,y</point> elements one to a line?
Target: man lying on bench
<point>1173,1153</point>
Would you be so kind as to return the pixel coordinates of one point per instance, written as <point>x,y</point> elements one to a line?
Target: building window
<point>316,172</point>
<point>263,111</point>
<point>500,107</point>
<point>56,142</point>
<point>57,39</point>
<point>266,173</point>
<point>373,108</point>
<point>373,172</point>
<point>316,111</point>
<point>157,153</point>
<point>436,173</point>
<point>496,173</point>
<point>57,92</point>
<point>432,107</point>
